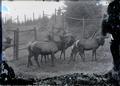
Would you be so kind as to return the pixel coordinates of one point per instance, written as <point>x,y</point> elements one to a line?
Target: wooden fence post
<point>83,27</point>
<point>35,33</point>
<point>16,44</point>
<point>25,18</point>
<point>64,24</point>
<point>33,16</point>
<point>18,22</point>
<point>54,24</point>
<point>55,15</point>
<point>43,14</point>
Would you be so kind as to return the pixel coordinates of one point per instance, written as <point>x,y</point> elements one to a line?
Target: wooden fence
<point>16,42</point>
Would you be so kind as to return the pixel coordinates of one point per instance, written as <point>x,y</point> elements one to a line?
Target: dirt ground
<point>102,65</point>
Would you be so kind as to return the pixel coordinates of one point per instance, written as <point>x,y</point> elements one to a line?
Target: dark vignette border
<point>51,81</point>
<point>0,32</point>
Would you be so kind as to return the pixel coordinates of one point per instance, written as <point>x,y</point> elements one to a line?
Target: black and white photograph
<point>60,43</point>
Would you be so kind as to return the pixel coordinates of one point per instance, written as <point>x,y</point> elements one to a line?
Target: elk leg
<point>29,60</point>
<point>45,58</point>
<point>71,57</point>
<point>41,58</point>
<point>74,57</point>
<point>64,54</point>
<point>93,55</point>
<point>52,59</point>
<point>61,54</point>
<point>36,59</point>
<point>82,54</point>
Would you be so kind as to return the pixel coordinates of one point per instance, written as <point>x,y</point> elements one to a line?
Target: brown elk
<point>42,48</point>
<point>45,48</point>
<point>86,44</point>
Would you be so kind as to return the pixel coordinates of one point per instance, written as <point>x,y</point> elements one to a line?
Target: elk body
<point>42,48</point>
<point>80,46</point>
<point>66,41</point>
<point>46,48</point>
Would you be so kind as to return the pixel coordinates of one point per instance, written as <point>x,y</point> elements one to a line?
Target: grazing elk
<point>42,48</point>
<point>83,45</point>
<point>45,48</point>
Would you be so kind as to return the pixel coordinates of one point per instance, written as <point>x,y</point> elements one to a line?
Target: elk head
<point>100,40</point>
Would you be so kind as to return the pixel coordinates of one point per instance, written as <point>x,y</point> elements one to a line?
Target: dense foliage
<point>80,9</point>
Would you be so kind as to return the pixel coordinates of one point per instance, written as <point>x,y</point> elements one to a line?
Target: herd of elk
<point>49,47</point>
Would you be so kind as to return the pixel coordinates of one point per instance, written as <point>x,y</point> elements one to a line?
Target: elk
<point>45,48</point>
<point>80,46</point>
<point>42,48</point>
<point>67,41</point>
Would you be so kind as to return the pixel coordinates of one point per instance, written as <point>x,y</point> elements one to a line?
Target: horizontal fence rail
<point>17,44</point>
